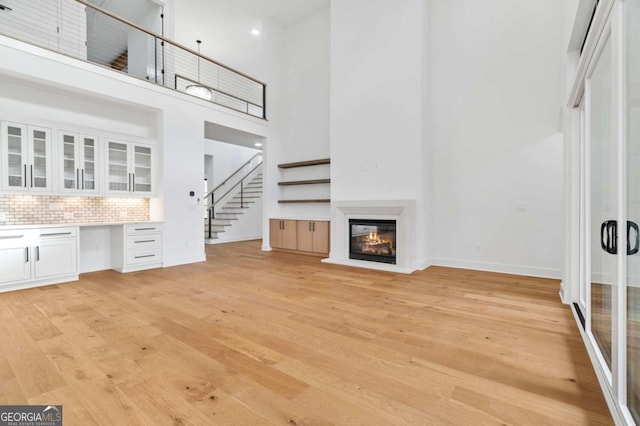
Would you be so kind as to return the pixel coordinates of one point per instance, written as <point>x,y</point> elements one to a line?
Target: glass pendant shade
<point>198,89</point>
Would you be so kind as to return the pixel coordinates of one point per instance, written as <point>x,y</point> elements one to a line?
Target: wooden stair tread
<point>305,182</point>
<point>305,163</point>
<point>317,200</point>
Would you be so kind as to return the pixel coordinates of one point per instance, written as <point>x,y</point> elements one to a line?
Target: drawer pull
<point>10,237</point>
<point>145,229</point>
<point>147,255</point>
<point>144,241</point>
<point>53,234</point>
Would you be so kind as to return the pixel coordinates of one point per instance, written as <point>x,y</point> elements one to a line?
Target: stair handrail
<point>211,207</point>
<point>232,175</point>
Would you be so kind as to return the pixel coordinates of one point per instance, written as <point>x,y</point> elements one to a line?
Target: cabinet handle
<point>53,234</point>
<point>77,178</point>
<point>309,226</point>
<point>31,175</point>
<point>25,175</point>
<point>133,187</point>
<point>144,241</point>
<point>11,237</point>
<point>37,253</point>
<point>313,226</point>
<point>129,182</point>
<point>82,178</point>
<point>26,255</point>
<point>141,257</point>
<point>144,229</point>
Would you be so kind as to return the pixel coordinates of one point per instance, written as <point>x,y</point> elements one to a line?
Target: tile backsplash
<point>49,209</point>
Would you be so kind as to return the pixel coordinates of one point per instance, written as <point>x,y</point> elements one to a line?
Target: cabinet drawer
<point>146,242</point>
<point>70,232</point>
<point>14,236</point>
<point>136,257</point>
<point>141,228</point>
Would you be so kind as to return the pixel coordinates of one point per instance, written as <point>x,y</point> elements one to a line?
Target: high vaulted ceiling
<point>284,12</point>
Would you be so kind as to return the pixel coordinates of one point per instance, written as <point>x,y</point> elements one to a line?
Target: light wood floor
<point>252,338</point>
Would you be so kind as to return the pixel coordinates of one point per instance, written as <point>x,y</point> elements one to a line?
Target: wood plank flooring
<point>252,338</point>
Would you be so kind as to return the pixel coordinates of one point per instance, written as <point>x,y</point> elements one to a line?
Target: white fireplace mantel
<point>402,211</point>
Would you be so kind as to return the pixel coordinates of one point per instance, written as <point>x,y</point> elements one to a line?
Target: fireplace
<point>373,240</point>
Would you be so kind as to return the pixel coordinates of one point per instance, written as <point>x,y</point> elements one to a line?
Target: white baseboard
<point>530,271</point>
<point>184,260</point>
<point>233,240</point>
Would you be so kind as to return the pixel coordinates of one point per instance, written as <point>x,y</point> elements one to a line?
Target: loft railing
<point>230,187</point>
<point>85,31</point>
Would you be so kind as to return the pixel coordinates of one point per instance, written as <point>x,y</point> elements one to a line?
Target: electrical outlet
<point>477,247</point>
<point>124,214</point>
<point>3,216</point>
<point>56,206</point>
<point>69,215</point>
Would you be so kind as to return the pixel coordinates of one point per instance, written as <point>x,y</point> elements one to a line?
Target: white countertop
<point>64,225</point>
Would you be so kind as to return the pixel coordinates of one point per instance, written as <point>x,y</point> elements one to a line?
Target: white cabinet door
<point>56,257</point>
<point>14,263</point>
<point>14,156</point>
<point>78,163</point>
<point>142,169</point>
<point>130,168</point>
<point>26,158</point>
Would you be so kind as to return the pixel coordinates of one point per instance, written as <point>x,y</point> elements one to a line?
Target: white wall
<point>227,158</point>
<point>179,123</point>
<point>496,85</point>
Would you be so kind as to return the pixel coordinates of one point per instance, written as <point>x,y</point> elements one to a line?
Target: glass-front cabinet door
<point>142,169</point>
<point>14,159</point>
<point>26,158</point>
<point>78,162</point>
<point>118,174</point>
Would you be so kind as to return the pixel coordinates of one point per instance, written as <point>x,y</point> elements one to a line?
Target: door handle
<point>3,7</point>
<point>609,229</point>
<point>636,246</point>
<point>26,255</point>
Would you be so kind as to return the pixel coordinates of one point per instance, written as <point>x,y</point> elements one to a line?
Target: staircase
<point>232,210</point>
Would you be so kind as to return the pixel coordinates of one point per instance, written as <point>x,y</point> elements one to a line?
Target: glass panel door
<point>142,176</point>
<point>69,166</point>
<point>89,164</point>
<point>582,226</point>
<point>604,204</point>
<point>118,165</point>
<point>633,207</point>
<point>40,156</point>
<point>16,156</point>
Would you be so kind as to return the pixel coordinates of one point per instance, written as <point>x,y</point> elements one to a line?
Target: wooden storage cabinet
<point>313,236</point>
<point>136,247</point>
<point>305,236</point>
<point>38,256</point>
<point>283,234</point>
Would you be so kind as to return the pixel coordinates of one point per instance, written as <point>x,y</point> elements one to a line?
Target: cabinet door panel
<point>40,159</point>
<point>56,257</point>
<point>321,237</point>
<point>289,235</point>
<point>89,170</point>
<point>142,169</point>
<point>14,264</point>
<point>118,176</point>
<point>14,156</point>
<point>275,233</point>
<point>305,235</point>
<point>69,162</point>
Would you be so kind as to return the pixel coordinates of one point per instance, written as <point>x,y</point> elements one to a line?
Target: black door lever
<point>3,7</point>
<point>609,237</point>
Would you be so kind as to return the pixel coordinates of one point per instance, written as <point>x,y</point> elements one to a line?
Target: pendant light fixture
<point>198,89</point>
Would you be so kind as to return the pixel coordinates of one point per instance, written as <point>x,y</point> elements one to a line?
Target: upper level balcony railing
<point>85,31</point>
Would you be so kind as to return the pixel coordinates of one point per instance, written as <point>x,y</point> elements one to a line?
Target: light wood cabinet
<point>283,234</point>
<point>305,236</point>
<point>313,236</point>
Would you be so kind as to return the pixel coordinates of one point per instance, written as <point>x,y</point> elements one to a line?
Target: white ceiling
<point>284,12</point>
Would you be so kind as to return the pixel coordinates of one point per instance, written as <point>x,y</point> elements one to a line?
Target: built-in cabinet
<point>79,162</point>
<point>136,246</point>
<point>129,168</point>
<point>305,236</point>
<point>26,158</point>
<point>74,163</point>
<point>38,256</point>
